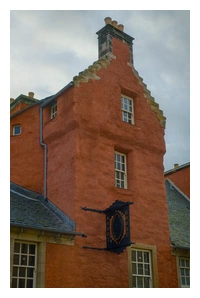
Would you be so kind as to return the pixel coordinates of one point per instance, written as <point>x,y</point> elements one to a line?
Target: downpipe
<point>45,153</point>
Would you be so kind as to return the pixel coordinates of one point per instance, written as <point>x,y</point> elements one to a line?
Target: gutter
<point>71,233</point>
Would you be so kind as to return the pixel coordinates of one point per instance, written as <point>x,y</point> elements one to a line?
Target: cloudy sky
<point>48,48</point>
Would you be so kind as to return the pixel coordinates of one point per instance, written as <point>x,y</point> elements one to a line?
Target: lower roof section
<point>29,209</point>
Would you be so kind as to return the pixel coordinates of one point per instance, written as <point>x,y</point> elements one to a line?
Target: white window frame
<point>127,108</point>
<point>14,130</point>
<point>120,170</point>
<point>54,111</point>
<point>184,272</point>
<point>20,266</point>
<point>140,267</point>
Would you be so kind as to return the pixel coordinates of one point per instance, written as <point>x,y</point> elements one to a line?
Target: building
<point>180,176</point>
<point>94,151</point>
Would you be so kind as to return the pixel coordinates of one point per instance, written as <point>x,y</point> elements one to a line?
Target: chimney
<point>11,100</point>
<point>105,35</point>
<point>175,165</point>
<point>31,94</point>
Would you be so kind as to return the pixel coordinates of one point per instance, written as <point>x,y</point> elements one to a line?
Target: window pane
<point>133,255</point>
<point>16,260</point>
<point>24,248</point>
<point>23,260</point>
<point>134,281</point>
<point>134,271</point>
<point>146,269</point>
<point>183,280</point>
<point>182,262</point>
<point>187,281</point>
<point>187,263</point>
<point>182,272</point>
<point>139,256</point>
<point>31,261</point>
<point>32,249</point>
<point>22,272</point>
<point>146,257</point>
<point>14,283</point>
<point>15,271</point>
<point>16,247</point>
<point>140,269</point>
<point>29,283</point>
<point>17,130</point>
<point>21,283</point>
<point>187,272</point>
<point>30,272</point>
<point>146,282</point>
<point>139,282</point>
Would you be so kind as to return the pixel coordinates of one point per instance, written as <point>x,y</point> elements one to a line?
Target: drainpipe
<point>45,103</point>
<point>45,153</point>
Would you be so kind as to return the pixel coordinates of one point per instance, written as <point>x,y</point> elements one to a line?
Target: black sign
<point>117,226</point>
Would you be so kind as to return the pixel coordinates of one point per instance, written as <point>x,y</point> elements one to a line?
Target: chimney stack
<point>176,165</point>
<point>31,94</point>
<point>105,35</point>
<point>11,100</point>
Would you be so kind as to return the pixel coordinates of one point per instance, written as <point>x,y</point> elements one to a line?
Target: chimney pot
<point>175,165</point>
<point>108,20</point>
<point>120,27</point>
<point>114,23</point>
<point>31,94</point>
<point>11,100</point>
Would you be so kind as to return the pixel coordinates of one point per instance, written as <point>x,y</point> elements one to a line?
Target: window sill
<point>123,191</point>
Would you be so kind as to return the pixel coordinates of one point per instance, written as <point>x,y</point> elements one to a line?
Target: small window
<point>16,130</point>
<point>127,109</point>
<point>141,269</point>
<point>120,170</point>
<point>184,269</point>
<point>53,111</point>
<point>24,265</point>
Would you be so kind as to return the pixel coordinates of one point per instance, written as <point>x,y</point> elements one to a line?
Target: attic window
<point>16,130</point>
<point>127,109</point>
<point>54,111</point>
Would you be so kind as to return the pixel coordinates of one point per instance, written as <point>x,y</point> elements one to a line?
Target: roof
<point>177,168</point>
<point>29,209</point>
<point>179,215</point>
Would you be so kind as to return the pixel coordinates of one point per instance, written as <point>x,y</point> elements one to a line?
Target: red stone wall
<point>181,178</point>
<point>26,154</point>
<point>19,107</point>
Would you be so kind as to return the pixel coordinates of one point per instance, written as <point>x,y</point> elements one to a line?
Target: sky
<point>49,48</point>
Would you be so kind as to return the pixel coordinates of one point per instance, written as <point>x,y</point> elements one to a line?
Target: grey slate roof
<point>179,215</point>
<point>29,209</point>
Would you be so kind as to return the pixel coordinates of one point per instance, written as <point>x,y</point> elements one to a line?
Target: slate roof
<point>29,209</point>
<point>179,215</point>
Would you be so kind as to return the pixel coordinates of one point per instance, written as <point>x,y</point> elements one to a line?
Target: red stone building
<point>180,176</point>
<point>97,141</point>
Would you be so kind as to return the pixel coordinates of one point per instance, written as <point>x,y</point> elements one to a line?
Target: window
<point>120,170</point>
<point>184,267</point>
<point>127,109</point>
<point>24,265</point>
<point>16,130</point>
<point>141,269</point>
<point>53,111</point>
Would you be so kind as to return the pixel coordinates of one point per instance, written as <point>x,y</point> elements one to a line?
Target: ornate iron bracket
<point>117,226</point>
